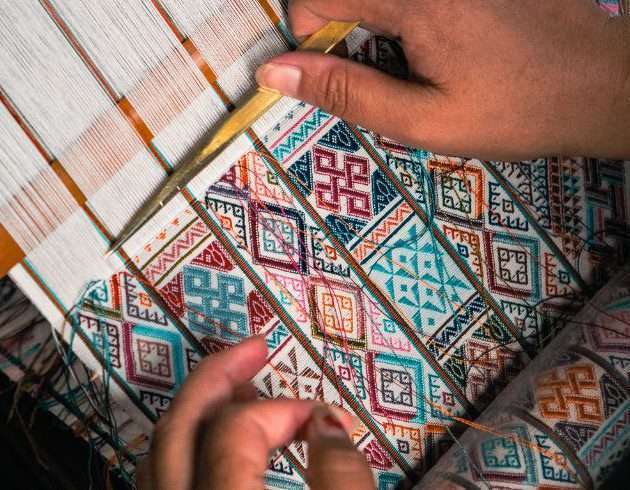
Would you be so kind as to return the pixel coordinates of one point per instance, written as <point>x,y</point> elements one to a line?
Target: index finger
<point>307,16</point>
<point>237,444</point>
<point>211,384</point>
<point>217,376</point>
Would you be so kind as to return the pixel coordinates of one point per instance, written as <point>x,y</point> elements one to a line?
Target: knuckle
<point>335,91</point>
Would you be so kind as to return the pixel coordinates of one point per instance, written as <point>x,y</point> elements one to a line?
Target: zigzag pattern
<point>277,336</point>
<point>383,230</point>
<point>299,135</point>
<point>459,321</point>
<point>609,438</point>
<point>175,250</point>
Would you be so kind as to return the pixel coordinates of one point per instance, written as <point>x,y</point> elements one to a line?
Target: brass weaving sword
<point>243,117</point>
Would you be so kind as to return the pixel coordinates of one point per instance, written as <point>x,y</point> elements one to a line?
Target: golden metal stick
<point>243,117</point>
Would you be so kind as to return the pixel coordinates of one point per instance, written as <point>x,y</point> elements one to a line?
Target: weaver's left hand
<point>217,435</point>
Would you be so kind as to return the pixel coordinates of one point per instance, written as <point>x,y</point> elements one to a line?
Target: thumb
<point>349,90</point>
<point>333,461</point>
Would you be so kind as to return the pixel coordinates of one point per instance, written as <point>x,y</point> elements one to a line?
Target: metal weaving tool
<point>243,117</point>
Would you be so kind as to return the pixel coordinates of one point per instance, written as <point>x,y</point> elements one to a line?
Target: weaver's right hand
<point>506,79</point>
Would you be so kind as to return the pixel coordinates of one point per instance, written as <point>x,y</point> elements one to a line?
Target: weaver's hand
<point>490,78</point>
<point>217,435</point>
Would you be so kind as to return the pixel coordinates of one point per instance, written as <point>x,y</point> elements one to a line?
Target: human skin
<point>508,79</point>
<point>216,434</point>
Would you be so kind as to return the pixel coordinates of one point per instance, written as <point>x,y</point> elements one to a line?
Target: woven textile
<point>409,288</point>
<point>406,287</point>
<point>564,423</point>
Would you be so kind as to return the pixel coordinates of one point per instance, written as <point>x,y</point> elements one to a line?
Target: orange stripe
<point>271,13</point>
<point>78,195</point>
<point>145,133</point>
<point>136,121</point>
<point>169,21</point>
<point>70,184</point>
<point>11,253</point>
<point>70,37</point>
<point>207,72</point>
<point>125,106</point>
<point>195,55</point>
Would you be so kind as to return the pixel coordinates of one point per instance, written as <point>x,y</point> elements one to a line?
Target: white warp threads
<point>132,47</point>
<point>187,129</point>
<point>147,64</point>
<point>44,77</point>
<point>234,37</point>
<point>77,120</point>
<point>33,200</point>
<point>74,118</point>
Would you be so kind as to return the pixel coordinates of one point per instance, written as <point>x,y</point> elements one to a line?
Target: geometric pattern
<point>503,459</point>
<point>513,265</point>
<point>458,192</point>
<point>570,393</point>
<point>278,237</point>
<point>217,303</point>
<point>572,411</point>
<point>337,313</point>
<point>395,387</point>
<point>153,357</point>
<point>407,287</point>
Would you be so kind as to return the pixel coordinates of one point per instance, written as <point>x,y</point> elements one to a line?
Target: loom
<point>416,295</point>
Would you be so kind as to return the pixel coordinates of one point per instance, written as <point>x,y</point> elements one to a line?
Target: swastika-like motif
<point>455,195</point>
<point>406,287</point>
<point>154,358</point>
<point>512,265</point>
<point>457,191</point>
<point>275,231</point>
<point>348,179</point>
<point>395,386</point>
<point>570,393</point>
<point>219,306</point>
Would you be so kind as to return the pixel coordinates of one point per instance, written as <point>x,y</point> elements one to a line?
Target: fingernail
<point>326,423</point>
<point>283,78</point>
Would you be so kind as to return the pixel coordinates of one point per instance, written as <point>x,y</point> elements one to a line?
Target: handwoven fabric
<point>406,287</point>
<point>565,421</point>
<point>409,288</point>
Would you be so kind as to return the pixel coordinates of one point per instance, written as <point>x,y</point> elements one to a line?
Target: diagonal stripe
<point>485,294</point>
<point>369,284</point>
